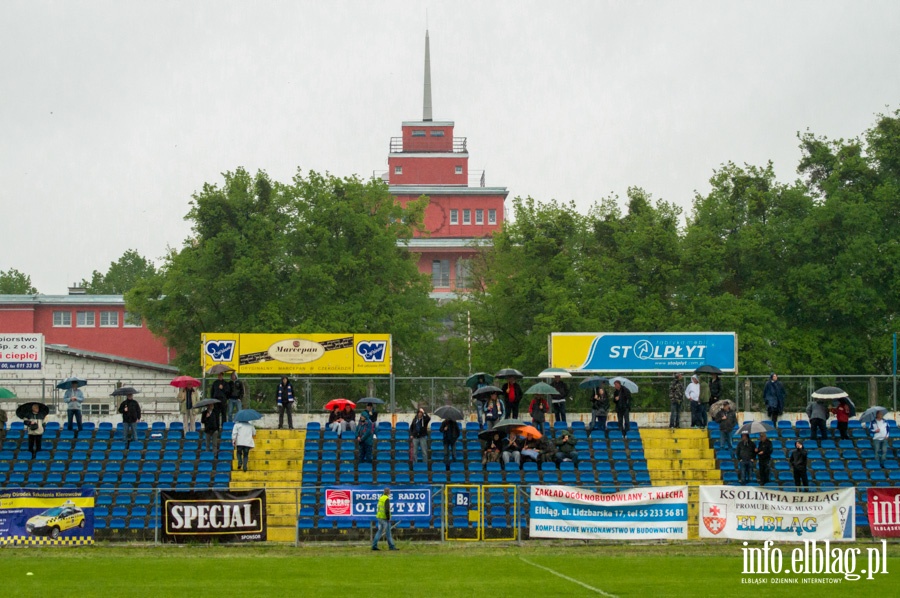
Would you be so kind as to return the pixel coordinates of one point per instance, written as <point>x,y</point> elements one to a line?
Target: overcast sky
<point>114,113</point>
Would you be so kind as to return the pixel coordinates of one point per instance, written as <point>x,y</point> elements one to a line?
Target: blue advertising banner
<point>46,516</point>
<point>360,503</point>
<point>643,351</point>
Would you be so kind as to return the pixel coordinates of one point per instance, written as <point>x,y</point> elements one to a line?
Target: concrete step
<point>273,464</point>
<point>267,433</point>
<point>679,453</point>
<point>278,454</point>
<point>279,443</point>
<point>282,534</point>
<point>280,510</point>
<point>675,443</point>
<point>683,475</point>
<point>666,464</point>
<point>282,496</point>
<point>268,484</point>
<point>679,433</point>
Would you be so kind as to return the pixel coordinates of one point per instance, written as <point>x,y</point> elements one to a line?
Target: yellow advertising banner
<point>298,353</point>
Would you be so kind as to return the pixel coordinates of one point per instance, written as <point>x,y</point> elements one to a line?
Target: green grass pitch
<point>418,569</point>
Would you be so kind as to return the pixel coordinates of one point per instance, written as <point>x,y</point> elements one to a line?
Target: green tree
<point>318,254</point>
<point>121,276</point>
<point>13,282</point>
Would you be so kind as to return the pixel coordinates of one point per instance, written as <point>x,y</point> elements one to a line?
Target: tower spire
<point>426,104</point>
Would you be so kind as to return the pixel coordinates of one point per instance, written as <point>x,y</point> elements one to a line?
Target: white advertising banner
<point>637,514</point>
<point>21,351</point>
<point>754,513</point>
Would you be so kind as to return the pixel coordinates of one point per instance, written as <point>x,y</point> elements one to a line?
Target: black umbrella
<point>508,373</point>
<point>449,412</point>
<point>708,369</point>
<point>508,424</point>
<point>68,382</point>
<point>488,435</point>
<point>475,379</point>
<point>486,391</point>
<point>24,411</point>
<point>204,403</point>
<point>124,391</point>
<point>830,393</point>
<point>370,400</point>
<point>593,382</point>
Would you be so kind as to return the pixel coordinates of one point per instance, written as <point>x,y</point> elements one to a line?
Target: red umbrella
<point>184,382</point>
<point>340,403</point>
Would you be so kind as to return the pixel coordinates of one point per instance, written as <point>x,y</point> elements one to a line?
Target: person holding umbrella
<point>817,414</point>
<point>188,392</point>
<point>284,397</point>
<point>131,415</point>
<point>842,413</point>
<point>418,436</point>
<point>242,437</point>
<point>512,393</point>
<point>365,437</point>
<point>727,422</point>
<point>235,396</point>
<point>559,401</point>
<point>622,399</point>
<point>798,461</point>
<point>599,411</point>
<point>773,395</point>
<point>746,453</point>
<point>715,389</point>
<point>34,423</point>
<point>479,400</point>
<point>538,409</point>
<point>764,458</point>
<point>73,398</point>
<point>221,390</point>
<point>209,419</point>
<point>450,433</point>
<point>692,392</point>
<point>880,434</point>
<point>493,411</point>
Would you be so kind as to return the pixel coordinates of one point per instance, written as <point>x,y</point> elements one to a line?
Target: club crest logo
<point>371,351</point>
<point>713,517</point>
<point>220,350</point>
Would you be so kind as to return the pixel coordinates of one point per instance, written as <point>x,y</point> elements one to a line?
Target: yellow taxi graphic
<point>54,521</point>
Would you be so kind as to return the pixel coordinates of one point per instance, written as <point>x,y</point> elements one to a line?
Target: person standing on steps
<point>285,399</point>
<point>73,398</point>
<point>676,399</point>
<point>235,397</point>
<point>242,437</point>
<point>383,519</point>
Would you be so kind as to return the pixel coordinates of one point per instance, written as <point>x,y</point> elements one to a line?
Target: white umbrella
<point>754,428</point>
<point>625,382</point>
<point>553,372</point>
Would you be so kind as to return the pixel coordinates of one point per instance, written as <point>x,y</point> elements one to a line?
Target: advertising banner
<point>637,514</point>
<point>883,505</point>
<point>46,516</point>
<point>642,351</point>
<point>753,513</point>
<point>298,353</point>
<point>360,503</point>
<point>21,351</point>
<point>204,515</point>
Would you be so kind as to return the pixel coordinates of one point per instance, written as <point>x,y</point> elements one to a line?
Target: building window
<point>62,319</point>
<point>418,133</point>
<point>459,170</point>
<point>85,319</point>
<point>440,274</point>
<point>467,216</point>
<point>132,320</point>
<point>454,216</point>
<point>492,216</point>
<point>398,170</point>
<point>437,133</point>
<point>463,273</point>
<point>109,319</point>
<point>479,216</point>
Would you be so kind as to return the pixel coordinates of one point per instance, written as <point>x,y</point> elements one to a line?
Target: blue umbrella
<point>68,382</point>
<point>247,415</point>
<point>593,382</point>
<point>869,414</point>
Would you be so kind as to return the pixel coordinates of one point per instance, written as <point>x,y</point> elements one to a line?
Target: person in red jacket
<point>537,409</point>
<point>512,396</point>
<point>842,413</point>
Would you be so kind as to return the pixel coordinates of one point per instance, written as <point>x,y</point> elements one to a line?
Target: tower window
<point>492,216</point>
<point>437,133</point>
<point>479,216</point>
<point>418,133</point>
<point>454,216</point>
<point>459,170</point>
<point>398,170</point>
<point>467,216</point>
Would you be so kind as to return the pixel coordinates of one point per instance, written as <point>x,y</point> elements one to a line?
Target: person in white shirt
<point>692,392</point>
<point>73,398</point>
<point>242,436</point>
<point>880,437</point>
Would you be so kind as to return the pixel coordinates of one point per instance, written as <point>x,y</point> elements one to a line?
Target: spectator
<point>727,423</point>
<point>336,420</point>
<point>565,447</point>
<point>242,437</point>
<point>3,419</point>
<point>715,389</point>
<point>692,392</point>
<point>235,397</point>
<point>704,402</point>
<point>842,412</point>
<point>491,452</point>
<point>538,409</point>
<point>880,435</point>
<point>450,433</point>
<point>493,411</point>
<point>284,397</point>
<point>73,398</point>
<point>512,450</point>
<point>349,417</point>
<point>774,395</point>
<point>34,423</point>
<point>531,451</point>
<point>209,419</point>
<point>512,396</point>
<point>559,401</point>
<point>383,519</point>
<point>622,399</point>
<point>817,413</point>
<point>764,458</point>
<point>131,415</point>
<point>221,391</point>
<point>371,412</point>
<point>365,437</point>
<point>746,453</point>
<point>479,401</point>
<point>599,411</point>
<point>547,450</point>
<point>798,461</point>
<point>676,399</point>
<point>418,436</point>
<point>186,397</point>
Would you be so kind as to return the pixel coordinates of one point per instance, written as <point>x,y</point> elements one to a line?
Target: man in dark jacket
<point>727,421</point>
<point>764,457</point>
<point>450,433</point>
<point>817,414</point>
<point>565,447</point>
<point>558,402</point>
<point>746,453</point>
<point>715,389</point>
<point>622,399</point>
<point>131,415</point>
<point>512,396</point>
<point>798,461</point>
<point>235,396</point>
<point>774,396</point>
<point>365,437</point>
<point>418,434</point>
<point>221,391</point>
<point>676,396</point>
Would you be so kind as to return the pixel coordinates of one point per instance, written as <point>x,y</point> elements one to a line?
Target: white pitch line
<point>567,578</point>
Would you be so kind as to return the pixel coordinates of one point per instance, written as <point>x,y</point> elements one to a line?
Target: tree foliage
<point>122,275</point>
<point>13,282</point>
<point>317,254</point>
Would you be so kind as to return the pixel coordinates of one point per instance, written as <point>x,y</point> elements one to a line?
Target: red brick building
<point>428,160</point>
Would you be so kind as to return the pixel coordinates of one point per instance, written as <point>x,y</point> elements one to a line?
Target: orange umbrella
<point>340,403</point>
<point>529,432</point>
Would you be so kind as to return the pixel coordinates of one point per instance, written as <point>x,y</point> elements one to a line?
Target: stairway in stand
<point>276,464</point>
<point>681,456</point>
